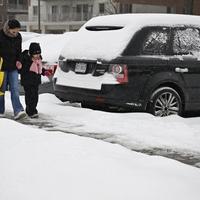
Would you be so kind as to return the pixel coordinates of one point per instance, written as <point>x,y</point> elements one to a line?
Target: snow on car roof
<point>107,44</point>
<point>143,19</point>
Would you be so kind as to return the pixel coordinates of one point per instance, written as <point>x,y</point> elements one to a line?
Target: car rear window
<point>103,28</point>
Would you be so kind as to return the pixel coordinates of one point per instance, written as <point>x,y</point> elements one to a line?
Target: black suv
<point>143,62</point>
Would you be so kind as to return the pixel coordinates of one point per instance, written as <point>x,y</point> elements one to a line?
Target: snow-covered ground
<point>39,164</point>
<point>133,130</point>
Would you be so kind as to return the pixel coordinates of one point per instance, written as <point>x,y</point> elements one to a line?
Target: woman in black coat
<point>10,51</point>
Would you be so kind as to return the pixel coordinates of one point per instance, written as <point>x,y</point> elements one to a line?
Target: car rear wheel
<point>165,101</point>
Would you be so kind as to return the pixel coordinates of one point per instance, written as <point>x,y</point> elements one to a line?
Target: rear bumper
<point>108,95</point>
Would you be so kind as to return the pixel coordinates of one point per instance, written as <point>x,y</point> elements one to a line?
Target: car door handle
<point>181,70</point>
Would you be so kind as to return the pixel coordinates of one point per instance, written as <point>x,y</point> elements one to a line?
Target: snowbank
<point>36,164</point>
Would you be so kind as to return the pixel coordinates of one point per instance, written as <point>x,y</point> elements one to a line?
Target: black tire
<point>165,101</point>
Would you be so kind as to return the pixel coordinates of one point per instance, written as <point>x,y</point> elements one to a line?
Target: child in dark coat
<point>31,72</point>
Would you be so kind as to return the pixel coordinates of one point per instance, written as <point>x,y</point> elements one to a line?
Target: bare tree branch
<point>112,7</point>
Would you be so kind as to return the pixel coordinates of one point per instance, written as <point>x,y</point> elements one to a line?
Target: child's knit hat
<point>34,48</point>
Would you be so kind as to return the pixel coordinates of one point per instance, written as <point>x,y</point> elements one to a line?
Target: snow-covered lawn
<point>38,164</point>
<point>133,130</point>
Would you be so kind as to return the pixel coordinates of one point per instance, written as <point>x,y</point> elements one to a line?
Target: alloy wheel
<point>165,101</point>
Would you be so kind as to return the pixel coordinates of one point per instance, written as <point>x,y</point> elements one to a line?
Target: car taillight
<point>50,67</point>
<point>120,72</point>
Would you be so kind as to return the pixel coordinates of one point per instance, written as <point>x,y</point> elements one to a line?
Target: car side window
<point>156,43</point>
<point>186,41</point>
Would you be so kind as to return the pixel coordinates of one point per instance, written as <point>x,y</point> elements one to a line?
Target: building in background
<point>2,11</point>
<point>58,16</point>
<point>14,9</point>
<point>171,6</point>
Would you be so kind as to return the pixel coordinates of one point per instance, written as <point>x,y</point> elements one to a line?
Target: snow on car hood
<point>109,44</point>
<point>28,35</point>
<point>51,45</point>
